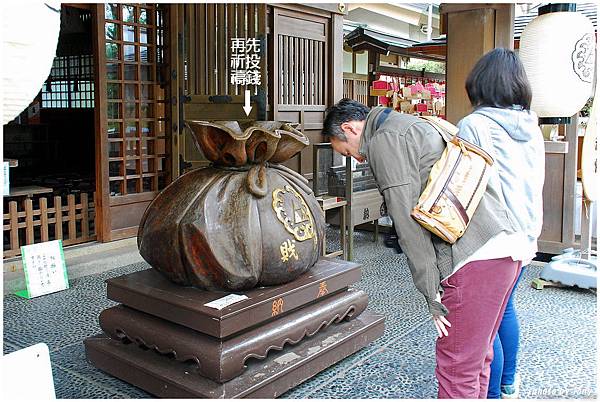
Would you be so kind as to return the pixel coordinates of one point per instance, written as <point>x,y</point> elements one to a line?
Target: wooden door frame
<point>176,71</point>
<point>104,203</point>
<point>102,199</point>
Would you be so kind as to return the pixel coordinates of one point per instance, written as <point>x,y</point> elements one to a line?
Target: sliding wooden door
<point>202,64</point>
<point>131,151</point>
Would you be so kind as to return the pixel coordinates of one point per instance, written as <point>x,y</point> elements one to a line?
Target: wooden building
<point>106,133</point>
<point>369,54</point>
<point>124,92</point>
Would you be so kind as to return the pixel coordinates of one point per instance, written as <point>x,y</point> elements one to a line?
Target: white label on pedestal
<point>228,300</point>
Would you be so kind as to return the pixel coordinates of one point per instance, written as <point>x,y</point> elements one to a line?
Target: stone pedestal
<point>165,340</point>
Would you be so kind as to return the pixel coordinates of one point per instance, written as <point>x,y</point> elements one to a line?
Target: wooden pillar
<point>472,31</point>
<point>373,65</point>
<point>337,67</point>
<point>102,205</point>
<point>175,57</point>
<point>504,35</point>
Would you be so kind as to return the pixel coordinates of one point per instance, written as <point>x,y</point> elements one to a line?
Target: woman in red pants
<point>502,124</point>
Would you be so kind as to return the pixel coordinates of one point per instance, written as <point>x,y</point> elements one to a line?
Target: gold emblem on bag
<point>294,214</point>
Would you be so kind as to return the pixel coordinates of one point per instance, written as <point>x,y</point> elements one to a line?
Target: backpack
<point>456,184</point>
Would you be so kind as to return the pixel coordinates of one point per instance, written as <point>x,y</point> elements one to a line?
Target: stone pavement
<point>558,346</point>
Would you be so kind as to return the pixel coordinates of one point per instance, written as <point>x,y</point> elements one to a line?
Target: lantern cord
<point>52,8</point>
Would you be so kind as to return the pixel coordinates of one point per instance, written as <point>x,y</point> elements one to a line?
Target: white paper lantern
<point>558,52</point>
<point>29,37</point>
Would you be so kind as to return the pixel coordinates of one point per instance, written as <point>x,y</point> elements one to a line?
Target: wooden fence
<point>72,222</point>
<point>356,89</point>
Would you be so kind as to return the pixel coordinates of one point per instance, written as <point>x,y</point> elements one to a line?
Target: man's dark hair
<point>344,111</point>
<point>499,80</point>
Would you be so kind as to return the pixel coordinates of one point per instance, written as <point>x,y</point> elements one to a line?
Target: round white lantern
<point>29,38</point>
<point>558,52</point>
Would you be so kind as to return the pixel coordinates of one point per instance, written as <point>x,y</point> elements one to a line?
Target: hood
<point>520,125</point>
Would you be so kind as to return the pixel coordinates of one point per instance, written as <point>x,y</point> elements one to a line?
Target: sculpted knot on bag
<point>242,222</point>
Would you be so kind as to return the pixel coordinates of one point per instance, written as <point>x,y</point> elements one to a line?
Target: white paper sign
<point>223,302</point>
<point>24,368</point>
<point>45,269</point>
<point>6,182</point>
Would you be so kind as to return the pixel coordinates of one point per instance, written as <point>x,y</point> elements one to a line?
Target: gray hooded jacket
<point>515,141</point>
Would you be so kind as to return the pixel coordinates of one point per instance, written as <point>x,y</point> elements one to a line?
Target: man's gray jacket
<point>401,149</point>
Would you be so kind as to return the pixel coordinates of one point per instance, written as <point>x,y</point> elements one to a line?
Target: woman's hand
<point>440,321</point>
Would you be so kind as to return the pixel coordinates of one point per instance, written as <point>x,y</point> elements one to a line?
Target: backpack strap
<point>448,130</point>
<point>382,117</point>
<point>449,133</point>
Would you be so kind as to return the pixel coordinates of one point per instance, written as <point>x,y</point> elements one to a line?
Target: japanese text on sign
<point>322,289</point>
<point>245,61</point>
<point>277,307</point>
<point>44,266</point>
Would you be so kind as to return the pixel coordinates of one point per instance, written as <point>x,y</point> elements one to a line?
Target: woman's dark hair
<point>344,111</point>
<point>499,80</point>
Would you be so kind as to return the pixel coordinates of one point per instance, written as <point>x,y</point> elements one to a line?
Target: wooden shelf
<point>29,191</point>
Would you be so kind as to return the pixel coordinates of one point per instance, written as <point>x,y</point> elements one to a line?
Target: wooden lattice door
<point>301,80</point>
<point>200,69</point>
<point>131,132</point>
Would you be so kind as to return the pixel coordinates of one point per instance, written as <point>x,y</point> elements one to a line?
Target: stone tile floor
<point>558,346</point>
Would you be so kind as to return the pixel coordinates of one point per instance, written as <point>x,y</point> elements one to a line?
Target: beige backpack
<point>456,184</point>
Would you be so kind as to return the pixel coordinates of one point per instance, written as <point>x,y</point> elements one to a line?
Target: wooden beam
<point>416,73</point>
<point>83,6</point>
<point>352,76</point>
<point>446,8</point>
<point>320,9</point>
<point>400,51</point>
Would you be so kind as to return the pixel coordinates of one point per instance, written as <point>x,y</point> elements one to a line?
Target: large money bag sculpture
<point>245,221</point>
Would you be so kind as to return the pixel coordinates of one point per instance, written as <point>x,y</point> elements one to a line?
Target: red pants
<point>476,296</point>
